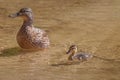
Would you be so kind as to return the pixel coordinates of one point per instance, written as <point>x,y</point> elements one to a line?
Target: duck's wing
<point>77,56</point>
<point>38,37</point>
<point>82,55</point>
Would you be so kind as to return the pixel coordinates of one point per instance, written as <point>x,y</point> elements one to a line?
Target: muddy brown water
<point>93,25</point>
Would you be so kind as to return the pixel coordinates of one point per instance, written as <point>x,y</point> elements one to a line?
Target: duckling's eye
<point>73,48</point>
<point>22,11</point>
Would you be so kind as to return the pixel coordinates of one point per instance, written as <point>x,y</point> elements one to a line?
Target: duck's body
<point>32,38</point>
<point>28,36</point>
<point>82,56</point>
<point>79,56</point>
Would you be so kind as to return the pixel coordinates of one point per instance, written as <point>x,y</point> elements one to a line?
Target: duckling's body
<point>28,36</point>
<point>79,56</point>
<point>82,56</point>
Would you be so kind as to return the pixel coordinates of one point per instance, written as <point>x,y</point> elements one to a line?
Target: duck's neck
<point>70,56</point>
<point>28,22</point>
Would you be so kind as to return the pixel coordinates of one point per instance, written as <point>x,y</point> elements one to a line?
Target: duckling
<point>29,37</point>
<point>79,56</point>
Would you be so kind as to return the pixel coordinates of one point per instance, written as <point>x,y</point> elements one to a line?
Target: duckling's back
<point>82,56</point>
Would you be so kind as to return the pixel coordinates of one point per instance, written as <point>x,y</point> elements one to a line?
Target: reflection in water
<point>15,51</point>
<point>10,52</point>
<point>67,63</point>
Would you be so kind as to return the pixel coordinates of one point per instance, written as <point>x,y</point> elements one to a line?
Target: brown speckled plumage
<point>28,36</point>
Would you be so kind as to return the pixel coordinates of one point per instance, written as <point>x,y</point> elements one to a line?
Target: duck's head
<point>25,13</point>
<point>72,49</point>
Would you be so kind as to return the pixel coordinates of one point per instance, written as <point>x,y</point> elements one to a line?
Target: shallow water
<point>91,24</point>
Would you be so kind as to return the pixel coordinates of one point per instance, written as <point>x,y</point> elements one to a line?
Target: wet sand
<point>91,24</point>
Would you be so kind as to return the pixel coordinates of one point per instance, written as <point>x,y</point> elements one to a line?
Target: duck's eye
<point>26,11</point>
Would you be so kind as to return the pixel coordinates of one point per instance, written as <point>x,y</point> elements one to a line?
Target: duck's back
<point>82,56</point>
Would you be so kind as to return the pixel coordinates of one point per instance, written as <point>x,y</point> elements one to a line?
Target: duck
<point>28,36</point>
<point>74,55</point>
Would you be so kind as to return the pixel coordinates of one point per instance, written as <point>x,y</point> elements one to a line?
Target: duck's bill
<point>14,15</point>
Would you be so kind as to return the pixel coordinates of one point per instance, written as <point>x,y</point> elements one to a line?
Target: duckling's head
<point>25,13</point>
<point>72,49</point>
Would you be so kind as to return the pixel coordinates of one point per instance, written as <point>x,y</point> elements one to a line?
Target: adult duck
<point>29,37</point>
